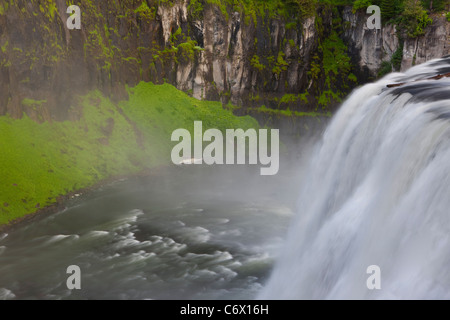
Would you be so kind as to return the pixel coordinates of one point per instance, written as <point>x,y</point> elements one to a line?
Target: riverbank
<point>44,164</point>
<point>60,203</point>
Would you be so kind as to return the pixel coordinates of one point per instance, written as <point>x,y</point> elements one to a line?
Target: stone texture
<point>370,48</point>
<point>434,44</point>
<point>41,60</point>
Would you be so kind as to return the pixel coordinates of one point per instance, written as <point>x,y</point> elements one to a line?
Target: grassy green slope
<point>39,162</point>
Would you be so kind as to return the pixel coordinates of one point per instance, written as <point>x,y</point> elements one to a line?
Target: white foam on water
<point>225,273</point>
<point>222,221</point>
<point>231,232</point>
<point>165,245</point>
<point>197,234</point>
<point>60,237</point>
<point>95,233</point>
<point>3,236</point>
<point>179,223</point>
<point>281,211</point>
<point>6,294</point>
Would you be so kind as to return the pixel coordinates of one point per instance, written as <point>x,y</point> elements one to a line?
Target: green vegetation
<point>388,9</point>
<point>256,63</point>
<point>411,15</point>
<point>4,47</point>
<point>336,67</point>
<point>289,98</point>
<point>293,10</point>
<point>386,67</point>
<point>397,57</point>
<point>145,11</point>
<point>195,9</point>
<point>394,64</point>
<point>434,5</point>
<point>31,102</point>
<point>414,18</point>
<point>290,113</point>
<point>43,161</point>
<point>361,4</point>
<point>281,64</point>
<point>448,16</point>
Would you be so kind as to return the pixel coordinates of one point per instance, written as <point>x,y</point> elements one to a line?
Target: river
<point>191,232</point>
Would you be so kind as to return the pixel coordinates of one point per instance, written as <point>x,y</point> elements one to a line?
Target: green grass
<point>39,162</point>
<point>290,113</point>
<point>32,103</point>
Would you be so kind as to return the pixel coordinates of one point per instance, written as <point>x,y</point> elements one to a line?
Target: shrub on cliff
<point>414,19</point>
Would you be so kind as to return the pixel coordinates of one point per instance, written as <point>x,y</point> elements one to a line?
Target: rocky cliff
<point>370,48</point>
<point>208,49</point>
<point>434,44</point>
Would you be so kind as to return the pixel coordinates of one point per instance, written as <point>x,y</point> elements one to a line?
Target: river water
<point>192,232</point>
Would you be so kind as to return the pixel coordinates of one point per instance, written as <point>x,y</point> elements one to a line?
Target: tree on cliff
<point>414,18</point>
<point>434,5</point>
<point>388,9</point>
<point>305,7</point>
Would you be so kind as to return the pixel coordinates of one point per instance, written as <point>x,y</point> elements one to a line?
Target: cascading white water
<point>377,192</point>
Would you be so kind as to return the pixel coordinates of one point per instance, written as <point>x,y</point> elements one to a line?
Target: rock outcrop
<point>217,53</point>
<point>227,56</point>
<point>434,44</point>
<point>370,47</point>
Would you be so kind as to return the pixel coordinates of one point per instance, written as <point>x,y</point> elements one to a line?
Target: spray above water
<point>376,194</point>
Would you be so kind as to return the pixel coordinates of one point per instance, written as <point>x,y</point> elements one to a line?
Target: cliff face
<point>238,56</point>
<point>212,52</point>
<point>434,44</point>
<point>215,54</point>
<point>370,48</point>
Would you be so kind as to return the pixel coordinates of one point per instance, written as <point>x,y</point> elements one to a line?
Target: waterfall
<point>376,192</point>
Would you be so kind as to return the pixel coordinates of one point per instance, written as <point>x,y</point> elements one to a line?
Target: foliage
<point>434,5</point>
<point>388,9</point>
<point>397,57</point>
<point>281,64</point>
<point>195,9</point>
<point>394,64</point>
<point>414,18</point>
<point>144,11</point>
<point>290,113</point>
<point>292,98</point>
<point>255,63</point>
<point>361,5</point>
<point>386,67</point>
<point>335,66</point>
<point>32,103</point>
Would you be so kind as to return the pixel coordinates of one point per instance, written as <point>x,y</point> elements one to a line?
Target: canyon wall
<point>213,52</point>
